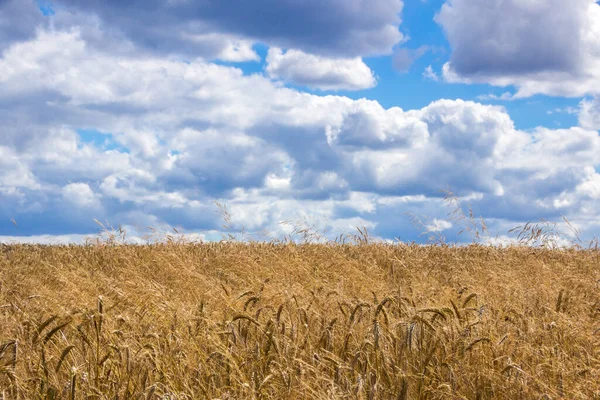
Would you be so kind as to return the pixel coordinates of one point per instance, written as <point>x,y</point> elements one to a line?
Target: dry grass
<point>243,321</point>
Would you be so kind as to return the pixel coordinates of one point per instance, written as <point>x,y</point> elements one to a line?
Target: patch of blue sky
<point>46,7</point>
<point>104,141</point>
<point>541,110</point>
<point>419,26</point>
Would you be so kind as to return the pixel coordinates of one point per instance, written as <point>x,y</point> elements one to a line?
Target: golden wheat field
<point>290,321</point>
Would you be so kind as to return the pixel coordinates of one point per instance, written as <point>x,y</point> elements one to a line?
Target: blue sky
<point>347,113</point>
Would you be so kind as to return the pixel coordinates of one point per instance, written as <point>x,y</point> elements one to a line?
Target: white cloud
<point>506,96</point>
<point>80,195</point>
<point>14,173</point>
<point>438,225</point>
<point>562,149</point>
<point>45,239</point>
<point>136,186</point>
<point>590,187</point>
<point>367,124</point>
<point>197,132</point>
<point>239,51</point>
<point>133,236</point>
<point>429,74</point>
<point>564,110</point>
<point>542,51</point>
<point>275,182</point>
<point>589,113</point>
<point>319,72</point>
<point>223,47</point>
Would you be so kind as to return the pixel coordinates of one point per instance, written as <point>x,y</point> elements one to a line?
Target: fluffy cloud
<point>421,151</point>
<point>80,195</point>
<point>347,28</point>
<point>539,46</point>
<point>15,173</point>
<point>319,72</point>
<point>439,225</point>
<point>429,74</point>
<point>590,187</point>
<point>589,113</point>
<point>191,133</point>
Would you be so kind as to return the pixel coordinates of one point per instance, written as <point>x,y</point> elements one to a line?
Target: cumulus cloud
<point>332,28</point>
<point>421,151</point>
<point>429,74</point>
<point>539,46</point>
<point>589,113</point>
<point>590,187</point>
<point>319,72</point>
<point>438,225</point>
<point>15,173</point>
<point>193,132</point>
<point>80,195</point>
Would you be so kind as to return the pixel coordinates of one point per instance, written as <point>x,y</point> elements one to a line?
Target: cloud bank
<point>170,137</point>
<point>348,28</point>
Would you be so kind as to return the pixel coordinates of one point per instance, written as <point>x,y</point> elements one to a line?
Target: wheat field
<point>298,321</point>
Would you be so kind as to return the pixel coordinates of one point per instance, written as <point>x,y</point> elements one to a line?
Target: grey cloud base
<point>513,37</point>
<point>549,47</point>
<point>324,40</point>
<point>335,28</point>
<point>29,18</point>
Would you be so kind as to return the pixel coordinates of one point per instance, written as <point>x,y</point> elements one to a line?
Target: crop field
<point>298,321</point>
